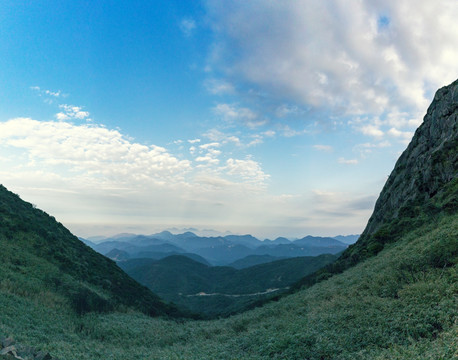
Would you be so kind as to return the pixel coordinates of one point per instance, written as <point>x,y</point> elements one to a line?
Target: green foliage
<point>178,279</point>
<point>400,304</point>
<point>85,300</point>
<point>38,255</point>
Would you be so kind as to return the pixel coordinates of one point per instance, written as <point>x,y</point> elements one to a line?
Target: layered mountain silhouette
<point>214,250</point>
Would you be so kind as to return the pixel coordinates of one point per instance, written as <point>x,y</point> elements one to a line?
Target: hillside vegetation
<point>396,305</point>
<point>41,260</point>
<point>182,280</point>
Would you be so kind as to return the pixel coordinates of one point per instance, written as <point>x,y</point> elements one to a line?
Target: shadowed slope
<point>40,255</point>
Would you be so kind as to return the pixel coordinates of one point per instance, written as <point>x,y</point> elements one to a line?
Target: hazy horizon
<point>198,232</point>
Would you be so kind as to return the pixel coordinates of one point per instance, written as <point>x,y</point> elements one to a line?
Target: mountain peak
<point>423,185</point>
<point>424,180</point>
<point>428,163</point>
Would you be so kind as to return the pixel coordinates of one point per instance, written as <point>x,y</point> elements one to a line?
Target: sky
<point>274,118</point>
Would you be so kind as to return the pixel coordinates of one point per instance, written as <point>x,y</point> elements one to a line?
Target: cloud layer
<point>376,60</point>
<point>87,173</point>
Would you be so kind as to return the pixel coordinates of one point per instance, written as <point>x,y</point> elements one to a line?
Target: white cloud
<point>233,139</point>
<point>40,91</point>
<point>115,180</point>
<point>91,150</point>
<point>338,55</point>
<point>218,136</point>
<point>247,169</point>
<point>53,93</point>
<point>382,144</point>
<point>287,131</point>
<point>257,139</point>
<point>269,133</point>
<point>209,145</point>
<point>404,136</point>
<point>71,112</point>
<point>219,87</point>
<point>214,152</point>
<point>193,141</point>
<point>367,148</point>
<point>209,159</point>
<point>232,112</point>
<point>341,206</point>
<point>48,95</point>
<point>371,130</point>
<point>187,26</point>
<point>285,110</point>
<point>347,161</point>
<point>215,135</point>
<point>325,148</point>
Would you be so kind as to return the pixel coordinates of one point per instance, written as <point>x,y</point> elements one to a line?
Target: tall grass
<point>399,304</point>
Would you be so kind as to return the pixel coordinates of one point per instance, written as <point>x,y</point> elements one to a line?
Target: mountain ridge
<point>217,250</point>
<point>31,239</point>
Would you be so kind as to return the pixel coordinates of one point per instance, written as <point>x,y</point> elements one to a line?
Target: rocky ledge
<point>10,350</point>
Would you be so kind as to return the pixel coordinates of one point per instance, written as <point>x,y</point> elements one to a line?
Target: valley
<point>180,280</point>
<point>391,295</point>
<point>233,271</point>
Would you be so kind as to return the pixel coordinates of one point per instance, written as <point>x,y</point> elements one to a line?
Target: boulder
<point>5,342</point>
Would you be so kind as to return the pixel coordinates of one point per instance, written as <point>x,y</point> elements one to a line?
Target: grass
<point>399,304</point>
<point>40,256</point>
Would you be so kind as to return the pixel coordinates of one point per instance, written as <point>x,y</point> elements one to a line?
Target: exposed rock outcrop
<point>422,187</point>
<point>429,162</point>
<point>9,350</point>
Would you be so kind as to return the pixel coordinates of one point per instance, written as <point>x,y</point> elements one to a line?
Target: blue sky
<point>263,117</point>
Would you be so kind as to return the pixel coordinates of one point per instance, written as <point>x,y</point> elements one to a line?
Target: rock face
<point>422,186</point>
<point>429,162</point>
<point>10,350</point>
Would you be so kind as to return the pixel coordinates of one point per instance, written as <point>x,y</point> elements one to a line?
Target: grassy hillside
<point>179,279</point>
<point>41,260</point>
<point>397,305</point>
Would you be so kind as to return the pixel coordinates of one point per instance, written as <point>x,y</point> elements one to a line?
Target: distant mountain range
<point>217,275</point>
<point>220,250</point>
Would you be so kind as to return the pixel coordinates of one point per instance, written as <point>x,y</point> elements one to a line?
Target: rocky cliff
<point>427,165</point>
<point>422,188</point>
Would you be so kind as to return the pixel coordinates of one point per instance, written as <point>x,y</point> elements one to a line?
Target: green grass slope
<point>41,260</point>
<point>397,305</point>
